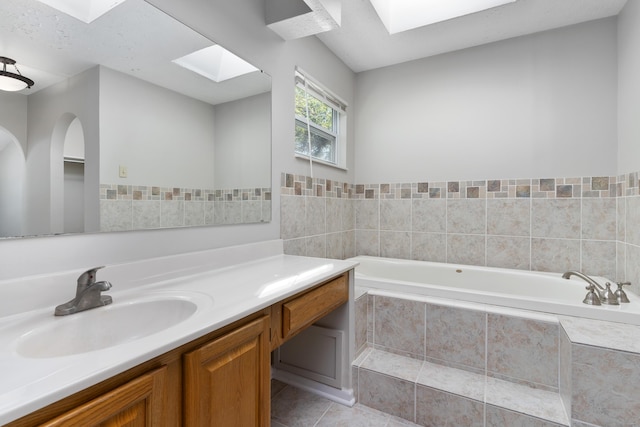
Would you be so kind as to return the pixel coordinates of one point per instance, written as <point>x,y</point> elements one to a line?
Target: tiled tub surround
<point>527,290</point>
<point>509,223</point>
<point>590,224</point>
<point>439,362</point>
<point>128,207</point>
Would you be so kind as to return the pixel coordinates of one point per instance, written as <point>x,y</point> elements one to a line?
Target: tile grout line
<point>323,414</point>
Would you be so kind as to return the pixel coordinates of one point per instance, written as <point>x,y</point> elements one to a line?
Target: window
<point>321,114</point>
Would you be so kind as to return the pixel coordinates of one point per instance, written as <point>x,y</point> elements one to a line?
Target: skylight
<point>84,10</point>
<point>215,63</point>
<point>403,15</point>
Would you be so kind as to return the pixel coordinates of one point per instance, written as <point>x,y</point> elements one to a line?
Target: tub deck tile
<point>599,333</point>
<point>393,365</point>
<point>452,380</point>
<point>499,417</point>
<point>387,382</point>
<point>538,403</point>
<point>386,393</point>
<point>362,356</point>
<point>438,408</point>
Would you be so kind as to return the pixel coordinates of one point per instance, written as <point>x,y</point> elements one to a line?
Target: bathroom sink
<point>103,327</point>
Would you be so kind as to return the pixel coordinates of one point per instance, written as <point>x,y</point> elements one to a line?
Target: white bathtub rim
<point>623,313</point>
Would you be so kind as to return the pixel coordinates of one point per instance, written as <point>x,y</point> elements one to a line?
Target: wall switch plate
<point>122,171</point>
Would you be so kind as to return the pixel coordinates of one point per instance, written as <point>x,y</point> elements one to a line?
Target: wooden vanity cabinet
<point>138,403</point>
<point>221,379</point>
<point>227,381</point>
<point>293,315</point>
<point>165,391</point>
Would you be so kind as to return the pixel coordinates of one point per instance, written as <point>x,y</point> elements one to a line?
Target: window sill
<point>320,162</point>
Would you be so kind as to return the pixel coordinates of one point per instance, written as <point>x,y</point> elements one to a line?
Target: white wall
<point>13,115</point>
<point>13,145</point>
<point>629,88</point>
<point>239,26</point>
<point>163,138</point>
<point>542,105</point>
<point>12,170</point>
<point>243,143</point>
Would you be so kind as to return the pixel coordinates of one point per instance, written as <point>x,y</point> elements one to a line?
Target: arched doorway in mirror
<point>67,160</point>
<point>12,185</point>
<point>74,178</point>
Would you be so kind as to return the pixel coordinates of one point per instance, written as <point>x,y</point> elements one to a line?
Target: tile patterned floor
<point>292,407</point>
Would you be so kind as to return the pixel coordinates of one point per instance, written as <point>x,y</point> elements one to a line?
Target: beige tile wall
<point>590,224</point>
<point>317,217</point>
<point>128,207</point>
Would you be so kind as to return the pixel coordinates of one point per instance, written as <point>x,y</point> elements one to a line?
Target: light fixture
<point>215,63</point>
<point>12,82</point>
<point>403,15</point>
<point>86,11</point>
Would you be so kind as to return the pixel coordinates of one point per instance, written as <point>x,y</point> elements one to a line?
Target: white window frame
<point>317,90</point>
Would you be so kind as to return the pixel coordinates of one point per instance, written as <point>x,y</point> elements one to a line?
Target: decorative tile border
<point>240,194</point>
<point>142,192</point>
<point>539,188</point>
<point>627,184</point>
<point>368,191</point>
<point>300,185</point>
<point>509,188</point>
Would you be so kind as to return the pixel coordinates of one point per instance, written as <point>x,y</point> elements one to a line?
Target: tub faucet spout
<point>584,277</point>
<point>604,295</point>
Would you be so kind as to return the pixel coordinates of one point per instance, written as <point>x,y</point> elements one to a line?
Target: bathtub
<point>536,291</point>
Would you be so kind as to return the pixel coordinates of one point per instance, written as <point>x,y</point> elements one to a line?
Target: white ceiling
<point>134,38</point>
<point>51,46</point>
<point>363,43</point>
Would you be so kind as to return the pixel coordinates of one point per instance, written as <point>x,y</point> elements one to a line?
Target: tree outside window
<point>322,121</point>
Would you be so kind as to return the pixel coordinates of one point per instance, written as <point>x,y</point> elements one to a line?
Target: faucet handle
<point>89,276</point>
<point>608,296</point>
<point>591,298</point>
<point>621,296</point>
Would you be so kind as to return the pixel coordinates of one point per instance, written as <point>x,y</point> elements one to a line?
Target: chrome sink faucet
<point>597,294</point>
<point>88,294</point>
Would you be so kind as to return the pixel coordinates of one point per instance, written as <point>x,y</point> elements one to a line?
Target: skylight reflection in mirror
<point>84,10</point>
<point>215,63</point>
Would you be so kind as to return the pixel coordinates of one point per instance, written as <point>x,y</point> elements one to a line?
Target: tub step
<point>432,394</point>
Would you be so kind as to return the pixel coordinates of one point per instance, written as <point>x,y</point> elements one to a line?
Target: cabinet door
<point>138,403</point>
<point>227,380</point>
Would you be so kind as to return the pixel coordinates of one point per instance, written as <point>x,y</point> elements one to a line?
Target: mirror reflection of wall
<point>51,112</point>
<point>12,169</point>
<point>164,146</point>
<point>172,162</point>
<point>73,212</point>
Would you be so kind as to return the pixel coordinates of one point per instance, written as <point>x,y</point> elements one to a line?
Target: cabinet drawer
<point>305,309</point>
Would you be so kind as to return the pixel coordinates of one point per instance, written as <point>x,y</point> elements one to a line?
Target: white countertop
<point>227,285</point>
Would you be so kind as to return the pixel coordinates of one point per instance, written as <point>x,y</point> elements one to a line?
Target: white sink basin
<point>103,327</point>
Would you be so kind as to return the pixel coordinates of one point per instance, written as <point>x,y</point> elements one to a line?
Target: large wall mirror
<point>135,121</point>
